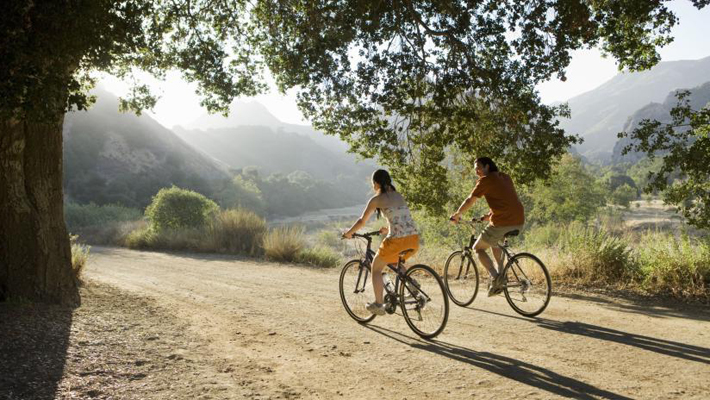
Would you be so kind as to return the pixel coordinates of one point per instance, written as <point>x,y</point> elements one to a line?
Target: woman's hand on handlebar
<point>384,230</point>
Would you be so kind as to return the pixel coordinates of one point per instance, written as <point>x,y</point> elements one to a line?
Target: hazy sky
<point>179,104</point>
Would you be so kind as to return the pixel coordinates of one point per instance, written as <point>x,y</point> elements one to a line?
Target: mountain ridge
<point>599,114</point>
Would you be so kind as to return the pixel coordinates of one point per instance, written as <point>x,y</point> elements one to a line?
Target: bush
<point>319,256</point>
<point>237,232</point>
<point>284,243</point>
<point>175,209</point>
<point>623,195</point>
<point>677,267</point>
<point>79,257</point>
<point>179,239</point>
<point>585,254</point>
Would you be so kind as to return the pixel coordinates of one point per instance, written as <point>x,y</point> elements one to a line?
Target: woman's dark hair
<point>383,178</point>
<point>492,167</point>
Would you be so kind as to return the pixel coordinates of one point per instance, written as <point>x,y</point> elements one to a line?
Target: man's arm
<point>468,203</point>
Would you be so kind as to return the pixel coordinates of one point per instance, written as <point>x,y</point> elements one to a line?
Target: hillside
<point>253,113</point>
<point>600,114</point>
<point>699,98</point>
<point>112,157</point>
<point>252,136</point>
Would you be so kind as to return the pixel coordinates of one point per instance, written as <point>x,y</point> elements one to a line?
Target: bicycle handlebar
<point>367,235</point>
<point>472,222</point>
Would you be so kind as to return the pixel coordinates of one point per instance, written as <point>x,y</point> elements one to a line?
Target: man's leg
<point>480,247</point>
<point>498,255</point>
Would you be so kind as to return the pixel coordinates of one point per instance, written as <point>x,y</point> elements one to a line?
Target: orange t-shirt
<point>498,189</point>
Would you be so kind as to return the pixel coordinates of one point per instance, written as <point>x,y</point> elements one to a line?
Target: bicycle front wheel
<point>528,288</point>
<point>461,278</point>
<point>356,290</point>
<point>424,302</point>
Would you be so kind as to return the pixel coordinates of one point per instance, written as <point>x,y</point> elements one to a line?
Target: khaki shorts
<point>391,247</point>
<point>494,234</point>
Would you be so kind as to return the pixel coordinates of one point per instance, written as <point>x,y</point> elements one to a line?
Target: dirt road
<point>277,331</point>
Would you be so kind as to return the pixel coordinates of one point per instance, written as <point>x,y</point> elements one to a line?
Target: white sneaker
<point>376,308</point>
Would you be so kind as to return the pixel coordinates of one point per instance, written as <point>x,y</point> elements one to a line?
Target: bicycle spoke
<point>461,278</point>
<point>356,290</point>
<point>425,306</point>
<point>528,289</point>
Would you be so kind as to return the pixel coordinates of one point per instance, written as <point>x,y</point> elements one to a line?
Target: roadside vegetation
<point>578,222</point>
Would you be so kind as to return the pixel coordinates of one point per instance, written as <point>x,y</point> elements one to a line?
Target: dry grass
<point>79,257</point>
<point>284,243</point>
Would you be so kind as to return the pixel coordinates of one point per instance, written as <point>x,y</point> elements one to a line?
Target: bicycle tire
<point>522,277</point>
<point>356,310</point>
<point>460,298</point>
<point>431,286</point>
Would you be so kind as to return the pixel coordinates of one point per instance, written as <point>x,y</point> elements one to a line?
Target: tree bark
<point>35,255</point>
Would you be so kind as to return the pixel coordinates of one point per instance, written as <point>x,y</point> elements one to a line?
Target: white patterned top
<point>400,221</point>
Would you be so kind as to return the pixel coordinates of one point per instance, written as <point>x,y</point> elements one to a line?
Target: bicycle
<point>418,291</point>
<point>527,289</point>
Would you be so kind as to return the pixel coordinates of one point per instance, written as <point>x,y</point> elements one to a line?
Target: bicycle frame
<point>399,270</point>
<point>468,250</point>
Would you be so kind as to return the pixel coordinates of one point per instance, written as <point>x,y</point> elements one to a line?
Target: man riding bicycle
<point>506,214</point>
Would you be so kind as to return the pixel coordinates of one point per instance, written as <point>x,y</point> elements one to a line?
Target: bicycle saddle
<point>405,252</point>
<point>512,233</point>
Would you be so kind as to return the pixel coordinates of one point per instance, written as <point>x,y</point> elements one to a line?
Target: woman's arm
<point>366,214</point>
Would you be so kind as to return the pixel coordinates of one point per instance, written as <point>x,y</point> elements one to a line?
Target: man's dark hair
<point>492,167</point>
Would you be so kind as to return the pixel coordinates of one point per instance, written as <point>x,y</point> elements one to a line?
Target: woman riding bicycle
<point>401,232</point>
<point>507,214</point>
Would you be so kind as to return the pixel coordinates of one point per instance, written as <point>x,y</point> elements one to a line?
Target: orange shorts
<point>391,247</point>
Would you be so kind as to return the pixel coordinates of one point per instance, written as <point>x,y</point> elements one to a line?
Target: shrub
<point>319,256</point>
<point>585,254</point>
<point>623,195</point>
<point>79,257</point>
<point>284,243</point>
<point>678,267</point>
<point>238,232</point>
<point>176,208</point>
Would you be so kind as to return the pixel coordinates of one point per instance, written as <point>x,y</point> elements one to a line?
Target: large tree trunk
<point>35,255</point>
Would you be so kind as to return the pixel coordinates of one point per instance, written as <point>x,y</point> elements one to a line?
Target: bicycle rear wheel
<point>461,278</point>
<point>528,288</point>
<point>356,290</point>
<point>424,302</point>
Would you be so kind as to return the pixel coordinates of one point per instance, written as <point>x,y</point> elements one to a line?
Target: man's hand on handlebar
<point>346,235</point>
<point>455,217</point>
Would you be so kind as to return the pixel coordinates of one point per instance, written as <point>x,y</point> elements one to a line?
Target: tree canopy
<point>683,144</point>
<point>402,80</point>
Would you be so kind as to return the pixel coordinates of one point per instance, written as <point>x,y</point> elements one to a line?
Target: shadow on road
<point>33,348</point>
<point>507,367</point>
<point>652,307</point>
<point>661,346</point>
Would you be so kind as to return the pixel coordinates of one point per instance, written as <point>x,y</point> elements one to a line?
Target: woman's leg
<point>378,265</point>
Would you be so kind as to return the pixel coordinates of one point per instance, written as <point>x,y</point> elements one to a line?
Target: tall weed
<point>680,267</point>
<point>79,257</point>
<point>237,231</point>
<point>284,243</point>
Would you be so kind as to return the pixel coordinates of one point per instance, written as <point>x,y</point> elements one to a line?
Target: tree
<point>684,143</point>
<point>406,81</point>
<point>48,50</point>
<point>570,194</point>
<point>400,80</point>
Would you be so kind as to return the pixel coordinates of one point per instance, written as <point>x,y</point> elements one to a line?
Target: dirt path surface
<point>263,330</point>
